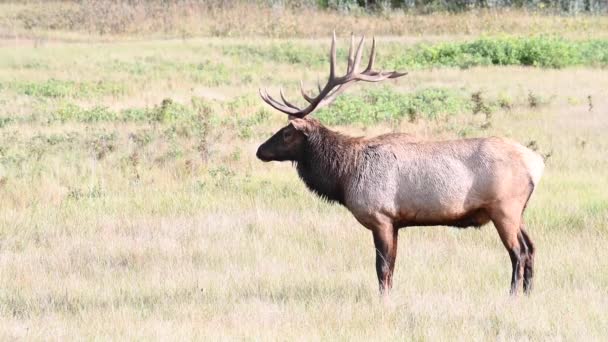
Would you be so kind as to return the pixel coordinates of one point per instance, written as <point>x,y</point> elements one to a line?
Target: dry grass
<point>152,241</point>
<point>127,20</point>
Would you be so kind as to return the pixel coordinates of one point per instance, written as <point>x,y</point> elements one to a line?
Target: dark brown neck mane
<point>329,159</point>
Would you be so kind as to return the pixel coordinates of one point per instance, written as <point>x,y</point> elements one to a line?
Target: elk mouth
<point>265,157</point>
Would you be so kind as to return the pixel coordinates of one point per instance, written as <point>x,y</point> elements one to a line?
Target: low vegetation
<point>383,105</point>
<point>541,51</point>
<point>65,88</point>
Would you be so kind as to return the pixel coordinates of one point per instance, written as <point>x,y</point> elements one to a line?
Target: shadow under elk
<point>393,181</point>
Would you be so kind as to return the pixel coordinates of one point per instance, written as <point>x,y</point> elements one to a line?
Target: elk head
<point>290,141</point>
<point>286,144</point>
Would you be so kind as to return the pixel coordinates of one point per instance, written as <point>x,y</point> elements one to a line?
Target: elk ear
<point>301,125</point>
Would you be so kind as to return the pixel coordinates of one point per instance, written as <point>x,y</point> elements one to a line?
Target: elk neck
<point>328,162</point>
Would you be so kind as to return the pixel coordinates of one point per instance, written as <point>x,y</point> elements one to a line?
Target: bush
<point>539,51</point>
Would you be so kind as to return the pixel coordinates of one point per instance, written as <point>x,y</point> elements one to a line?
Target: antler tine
<point>262,95</point>
<point>358,55</point>
<point>332,58</point>
<point>349,68</point>
<point>304,95</point>
<point>319,85</point>
<point>395,74</point>
<point>372,56</point>
<point>285,100</point>
<point>276,104</point>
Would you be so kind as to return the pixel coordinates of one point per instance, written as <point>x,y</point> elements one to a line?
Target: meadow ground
<point>132,205</point>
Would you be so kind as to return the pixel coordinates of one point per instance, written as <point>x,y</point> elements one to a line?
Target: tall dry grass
<point>115,19</point>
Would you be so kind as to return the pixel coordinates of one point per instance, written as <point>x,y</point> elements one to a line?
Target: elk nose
<point>262,155</point>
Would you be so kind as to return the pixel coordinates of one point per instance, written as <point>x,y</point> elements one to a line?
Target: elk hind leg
<point>509,232</point>
<point>528,260</point>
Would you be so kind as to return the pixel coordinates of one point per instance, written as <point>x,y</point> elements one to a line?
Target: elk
<point>394,181</point>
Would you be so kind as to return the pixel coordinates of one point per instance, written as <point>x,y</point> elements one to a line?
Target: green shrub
<point>539,51</point>
<point>54,88</point>
<point>593,52</point>
<point>385,105</point>
<point>168,112</point>
<point>49,88</point>
<point>71,112</point>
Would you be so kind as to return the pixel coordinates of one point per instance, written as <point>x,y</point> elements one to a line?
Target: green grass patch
<point>205,72</point>
<point>539,51</point>
<point>371,106</point>
<point>288,53</point>
<point>55,88</point>
<point>167,112</point>
<point>386,105</point>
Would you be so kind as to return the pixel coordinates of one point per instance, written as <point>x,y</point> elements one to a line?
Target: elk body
<point>394,181</point>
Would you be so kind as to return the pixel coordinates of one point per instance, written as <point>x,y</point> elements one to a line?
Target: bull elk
<point>393,181</point>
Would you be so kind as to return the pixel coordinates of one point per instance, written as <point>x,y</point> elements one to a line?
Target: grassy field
<point>132,205</point>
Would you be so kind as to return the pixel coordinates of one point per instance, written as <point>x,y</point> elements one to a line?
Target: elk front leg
<point>385,241</point>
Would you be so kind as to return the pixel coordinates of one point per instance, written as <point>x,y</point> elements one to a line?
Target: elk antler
<point>335,84</point>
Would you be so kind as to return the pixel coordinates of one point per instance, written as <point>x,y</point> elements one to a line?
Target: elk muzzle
<point>263,154</point>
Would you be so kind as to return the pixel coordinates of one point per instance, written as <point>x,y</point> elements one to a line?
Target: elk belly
<point>439,192</point>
